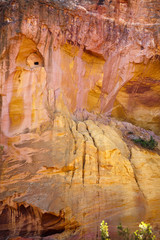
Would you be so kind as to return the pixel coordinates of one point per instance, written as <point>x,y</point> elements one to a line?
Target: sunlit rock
<point>67,68</point>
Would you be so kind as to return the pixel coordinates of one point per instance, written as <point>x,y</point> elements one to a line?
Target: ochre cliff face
<point>66,177</point>
<point>66,67</point>
<point>80,56</point>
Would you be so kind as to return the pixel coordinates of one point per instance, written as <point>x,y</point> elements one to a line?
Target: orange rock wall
<point>67,176</point>
<point>86,54</point>
<point>65,66</point>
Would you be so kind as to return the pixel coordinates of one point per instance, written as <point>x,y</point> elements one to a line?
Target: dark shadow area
<point>100,2</point>
<point>50,232</point>
<point>28,221</point>
<point>100,56</point>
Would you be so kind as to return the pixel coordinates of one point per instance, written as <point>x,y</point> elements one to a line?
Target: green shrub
<point>143,233</point>
<point>1,148</point>
<point>124,232</point>
<point>149,144</point>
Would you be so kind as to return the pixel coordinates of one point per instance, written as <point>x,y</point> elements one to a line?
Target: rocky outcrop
<point>66,177</point>
<point>65,68</point>
<point>84,55</point>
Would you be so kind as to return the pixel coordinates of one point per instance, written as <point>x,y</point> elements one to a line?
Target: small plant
<point>104,231</point>
<point>1,148</point>
<point>143,233</point>
<point>123,232</point>
<point>149,144</point>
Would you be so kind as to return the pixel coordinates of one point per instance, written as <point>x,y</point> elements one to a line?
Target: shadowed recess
<point>28,221</point>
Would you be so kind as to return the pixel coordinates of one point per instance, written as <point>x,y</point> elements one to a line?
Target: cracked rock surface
<point>67,176</point>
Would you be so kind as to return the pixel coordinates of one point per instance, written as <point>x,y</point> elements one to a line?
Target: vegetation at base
<point>123,232</point>
<point>143,233</point>
<point>149,144</point>
<point>104,231</point>
<point>1,148</point>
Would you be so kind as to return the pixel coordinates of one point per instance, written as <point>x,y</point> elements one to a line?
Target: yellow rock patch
<point>16,111</point>
<point>93,101</point>
<point>138,101</point>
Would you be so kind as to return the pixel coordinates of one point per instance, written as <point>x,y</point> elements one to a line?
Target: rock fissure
<point>75,141</point>
<point>98,166</point>
<point>135,176</point>
<point>137,182</point>
<point>84,161</point>
<point>97,154</point>
<point>90,135</point>
<point>73,173</point>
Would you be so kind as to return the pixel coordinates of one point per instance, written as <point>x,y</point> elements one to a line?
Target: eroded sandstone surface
<point>66,177</point>
<point>101,57</point>
<point>66,67</point>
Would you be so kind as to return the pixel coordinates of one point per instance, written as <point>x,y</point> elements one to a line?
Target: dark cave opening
<point>100,2</point>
